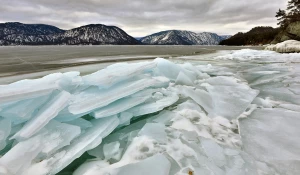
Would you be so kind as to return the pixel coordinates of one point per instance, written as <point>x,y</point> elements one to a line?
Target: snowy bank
<point>289,46</point>
<point>155,117</point>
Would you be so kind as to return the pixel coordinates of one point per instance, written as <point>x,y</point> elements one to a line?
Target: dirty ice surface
<point>237,114</point>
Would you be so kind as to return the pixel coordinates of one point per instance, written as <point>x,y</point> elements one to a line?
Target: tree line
<point>290,15</point>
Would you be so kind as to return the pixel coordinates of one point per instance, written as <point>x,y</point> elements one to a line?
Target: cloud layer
<point>143,17</point>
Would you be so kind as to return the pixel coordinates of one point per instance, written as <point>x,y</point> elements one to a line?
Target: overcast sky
<point>143,17</point>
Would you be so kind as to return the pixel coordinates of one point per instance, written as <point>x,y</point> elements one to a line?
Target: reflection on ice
<point>237,115</point>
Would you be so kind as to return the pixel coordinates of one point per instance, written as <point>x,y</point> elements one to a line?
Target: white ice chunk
<point>182,79</point>
<point>167,68</point>
<point>288,46</point>
<point>112,151</point>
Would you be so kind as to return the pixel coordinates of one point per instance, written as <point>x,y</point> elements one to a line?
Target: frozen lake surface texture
<point>230,113</point>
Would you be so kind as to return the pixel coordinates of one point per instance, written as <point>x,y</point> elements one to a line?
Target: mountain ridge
<point>181,37</point>
<point>15,33</point>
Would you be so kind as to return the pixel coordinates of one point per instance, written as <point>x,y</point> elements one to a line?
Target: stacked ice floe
<point>289,46</point>
<point>153,118</point>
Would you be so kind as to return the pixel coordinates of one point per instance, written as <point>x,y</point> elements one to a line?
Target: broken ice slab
<point>291,107</point>
<point>44,115</point>
<point>281,94</point>
<point>153,106</point>
<point>272,136</point>
<point>117,72</point>
<point>220,100</point>
<point>52,137</point>
<point>222,81</point>
<point>15,94</point>
<point>171,70</point>
<point>167,69</point>
<point>5,129</point>
<point>94,98</point>
<point>27,89</point>
<point>70,81</point>
<point>86,141</point>
<point>231,101</point>
<point>23,110</point>
<point>123,104</point>
<point>155,131</point>
<point>82,123</point>
<point>202,97</point>
<point>183,79</point>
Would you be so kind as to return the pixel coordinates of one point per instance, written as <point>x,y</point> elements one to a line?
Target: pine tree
<point>293,10</point>
<point>282,18</point>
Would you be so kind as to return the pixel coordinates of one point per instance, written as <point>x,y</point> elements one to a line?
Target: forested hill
<point>256,36</point>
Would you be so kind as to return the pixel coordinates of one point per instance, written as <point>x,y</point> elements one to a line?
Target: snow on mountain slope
<point>96,34</point>
<point>181,37</point>
<point>40,34</point>
<point>14,33</point>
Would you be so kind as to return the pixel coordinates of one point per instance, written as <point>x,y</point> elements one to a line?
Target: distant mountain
<point>181,37</point>
<point>224,37</point>
<point>27,34</point>
<point>256,36</point>
<point>96,34</point>
<point>40,34</point>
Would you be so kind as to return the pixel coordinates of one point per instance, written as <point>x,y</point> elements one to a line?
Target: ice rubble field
<point>240,115</point>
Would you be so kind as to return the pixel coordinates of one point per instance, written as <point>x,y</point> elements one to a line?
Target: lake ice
<point>236,114</point>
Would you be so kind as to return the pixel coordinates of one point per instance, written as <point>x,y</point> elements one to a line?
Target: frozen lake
<point>19,62</point>
<point>223,110</point>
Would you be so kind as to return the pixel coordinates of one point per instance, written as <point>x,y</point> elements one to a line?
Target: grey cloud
<point>142,17</point>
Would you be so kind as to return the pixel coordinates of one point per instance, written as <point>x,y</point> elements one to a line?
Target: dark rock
<point>292,32</point>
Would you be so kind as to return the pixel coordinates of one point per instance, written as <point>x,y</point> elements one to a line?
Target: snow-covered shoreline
<point>289,46</point>
<point>157,117</point>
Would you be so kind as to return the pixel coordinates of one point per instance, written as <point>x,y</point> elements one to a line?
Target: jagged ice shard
<point>236,115</point>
